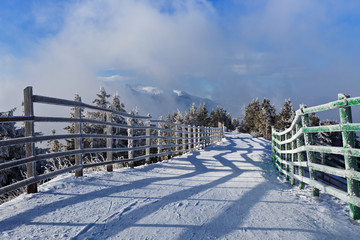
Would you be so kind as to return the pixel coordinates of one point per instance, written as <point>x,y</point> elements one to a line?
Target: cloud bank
<point>230,52</point>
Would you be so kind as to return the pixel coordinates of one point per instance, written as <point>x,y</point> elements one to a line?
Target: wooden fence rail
<point>294,152</point>
<point>161,139</point>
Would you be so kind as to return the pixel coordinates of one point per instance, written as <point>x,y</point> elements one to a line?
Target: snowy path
<point>228,191</point>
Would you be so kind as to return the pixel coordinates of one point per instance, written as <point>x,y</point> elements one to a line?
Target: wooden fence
<point>300,159</point>
<point>171,139</point>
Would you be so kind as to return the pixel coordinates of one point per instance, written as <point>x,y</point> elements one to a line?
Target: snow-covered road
<point>227,191</point>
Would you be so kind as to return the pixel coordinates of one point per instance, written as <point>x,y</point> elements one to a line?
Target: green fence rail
<point>294,152</point>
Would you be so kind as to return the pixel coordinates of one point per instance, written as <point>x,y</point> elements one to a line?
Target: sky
<point>228,51</point>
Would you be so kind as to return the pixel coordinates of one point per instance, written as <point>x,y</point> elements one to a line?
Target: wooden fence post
<point>78,141</point>
<point>169,140</point>
<point>109,142</point>
<point>200,138</point>
<point>189,138</point>
<point>350,162</point>
<point>196,138</point>
<point>148,141</point>
<point>301,155</point>
<point>282,155</point>
<point>309,154</point>
<point>130,142</point>
<point>177,141</point>
<point>206,136</point>
<point>29,132</point>
<point>193,140</point>
<point>209,133</point>
<point>293,156</point>
<point>323,162</point>
<point>222,132</point>
<point>202,130</point>
<point>159,141</point>
<point>287,158</point>
<point>183,129</point>
<point>209,136</point>
<point>273,144</point>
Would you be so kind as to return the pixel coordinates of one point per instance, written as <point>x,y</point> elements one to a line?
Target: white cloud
<point>114,78</point>
<point>272,48</point>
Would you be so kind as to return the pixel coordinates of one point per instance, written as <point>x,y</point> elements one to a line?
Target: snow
<point>227,191</point>
<point>149,90</point>
<point>179,93</point>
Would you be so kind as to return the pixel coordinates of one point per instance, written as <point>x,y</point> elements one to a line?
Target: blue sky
<point>229,51</point>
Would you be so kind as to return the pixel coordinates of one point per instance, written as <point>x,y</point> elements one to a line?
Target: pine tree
<point>250,120</point>
<point>212,119</point>
<point>55,163</point>
<point>228,122</point>
<point>235,123</point>
<point>9,130</point>
<point>70,143</point>
<point>286,115</point>
<point>266,118</point>
<point>193,112</point>
<point>55,145</point>
<point>314,120</point>
<point>102,102</point>
<point>177,117</point>
<point>202,116</point>
<point>328,138</point>
<point>118,106</point>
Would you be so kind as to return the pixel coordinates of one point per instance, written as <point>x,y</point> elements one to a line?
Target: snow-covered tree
<point>102,101</point>
<point>192,116</point>
<point>55,163</point>
<point>202,116</point>
<point>177,117</point>
<point>250,120</point>
<point>90,128</point>
<point>314,120</point>
<point>118,106</point>
<point>55,145</point>
<point>70,143</point>
<point>266,118</point>
<point>328,138</point>
<point>9,130</point>
<point>286,115</point>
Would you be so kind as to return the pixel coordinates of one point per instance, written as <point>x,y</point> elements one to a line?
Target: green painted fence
<point>294,152</point>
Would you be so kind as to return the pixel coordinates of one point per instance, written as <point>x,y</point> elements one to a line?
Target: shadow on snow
<point>225,222</point>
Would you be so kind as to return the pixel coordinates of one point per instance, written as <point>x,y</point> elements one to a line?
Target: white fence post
<point>159,140</point>
<point>183,129</point>
<point>148,141</point>
<point>109,142</point>
<point>189,138</point>
<point>130,143</point>
<point>169,140</point>
<point>177,142</point>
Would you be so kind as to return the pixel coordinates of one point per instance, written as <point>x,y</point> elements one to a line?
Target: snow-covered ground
<point>227,191</point>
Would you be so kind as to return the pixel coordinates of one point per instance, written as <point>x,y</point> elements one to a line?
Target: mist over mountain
<point>157,101</point>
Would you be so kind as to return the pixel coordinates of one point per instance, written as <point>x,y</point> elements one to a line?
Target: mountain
<point>159,102</point>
